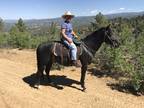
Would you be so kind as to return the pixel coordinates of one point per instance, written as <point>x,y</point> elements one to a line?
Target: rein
<point>91,51</point>
<point>106,34</point>
<point>87,49</point>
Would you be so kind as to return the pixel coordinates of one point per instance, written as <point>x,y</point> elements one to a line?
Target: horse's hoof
<point>83,89</point>
<point>37,86</point>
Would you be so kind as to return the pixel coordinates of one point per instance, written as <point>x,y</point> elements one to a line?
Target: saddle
<point>62,53</point>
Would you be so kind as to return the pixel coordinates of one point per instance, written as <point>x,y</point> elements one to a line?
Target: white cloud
<point>113,11</point>
<point>110,12</point>
<point>116,10</point>
<point>121,8</point>
<point>94,11</point>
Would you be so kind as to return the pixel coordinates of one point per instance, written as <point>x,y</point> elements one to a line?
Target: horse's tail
<point>43,54</point>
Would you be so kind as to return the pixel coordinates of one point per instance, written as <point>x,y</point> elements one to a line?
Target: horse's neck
<point>94,41</point>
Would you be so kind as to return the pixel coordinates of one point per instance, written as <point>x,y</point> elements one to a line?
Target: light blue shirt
<point>68,28</point>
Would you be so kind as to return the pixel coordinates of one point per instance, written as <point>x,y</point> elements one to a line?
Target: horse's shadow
<point>57,81</point>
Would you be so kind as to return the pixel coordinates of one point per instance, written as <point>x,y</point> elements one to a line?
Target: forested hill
<point>35,23</point>
<point>82,20</point>
<point>125,15</point>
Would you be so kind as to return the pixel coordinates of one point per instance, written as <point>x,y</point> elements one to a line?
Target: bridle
<point>108,36</point>
<point>91,51</point>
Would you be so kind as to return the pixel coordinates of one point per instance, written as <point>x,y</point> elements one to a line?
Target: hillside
<point>78,21</point>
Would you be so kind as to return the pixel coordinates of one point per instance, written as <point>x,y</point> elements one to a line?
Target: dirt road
<point>16,73</point>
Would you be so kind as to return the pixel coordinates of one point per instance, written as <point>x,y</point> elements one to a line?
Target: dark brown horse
<point>89,46</point>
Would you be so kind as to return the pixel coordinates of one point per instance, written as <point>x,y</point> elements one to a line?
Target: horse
<point>90,44</point>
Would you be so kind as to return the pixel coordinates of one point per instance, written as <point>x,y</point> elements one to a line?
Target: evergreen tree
<point>100,21</point>
<point>1,25</point>
<point>19,37</point>
<point>21,25</point>
<point>54,32</point>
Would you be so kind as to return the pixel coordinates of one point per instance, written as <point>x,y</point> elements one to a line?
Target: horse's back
<point>44,46</point>
<point>45,51</point>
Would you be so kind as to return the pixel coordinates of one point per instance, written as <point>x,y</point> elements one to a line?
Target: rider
<point>68,35</point>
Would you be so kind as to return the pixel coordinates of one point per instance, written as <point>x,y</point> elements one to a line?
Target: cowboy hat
<point>68,13</point>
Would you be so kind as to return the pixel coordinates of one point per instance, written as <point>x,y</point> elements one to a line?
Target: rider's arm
<point>65,36</point>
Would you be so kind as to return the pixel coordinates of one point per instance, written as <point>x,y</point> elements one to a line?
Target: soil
<point>17,74</point>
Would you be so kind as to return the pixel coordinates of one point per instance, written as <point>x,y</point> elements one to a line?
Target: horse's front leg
<point>83,73</point>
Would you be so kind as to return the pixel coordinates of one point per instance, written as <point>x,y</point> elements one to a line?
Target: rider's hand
<point>76,36</point>
<point>69,40</point>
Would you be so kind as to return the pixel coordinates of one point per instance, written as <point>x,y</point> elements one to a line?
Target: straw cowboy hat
<point>68,13</point>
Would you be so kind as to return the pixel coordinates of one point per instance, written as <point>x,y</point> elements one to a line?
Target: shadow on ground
<point>57,81</point>
<point>124,87</point>
<point>105,73</point>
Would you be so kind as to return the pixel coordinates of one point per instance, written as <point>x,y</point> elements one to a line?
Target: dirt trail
<point>17,67</point>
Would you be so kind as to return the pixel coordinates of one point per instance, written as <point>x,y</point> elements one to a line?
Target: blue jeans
<point>73,49</point>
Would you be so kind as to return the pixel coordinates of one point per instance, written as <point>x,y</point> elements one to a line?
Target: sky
<point>42,9</point>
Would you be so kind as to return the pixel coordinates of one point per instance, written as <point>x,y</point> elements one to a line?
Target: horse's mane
<point>94,33</point>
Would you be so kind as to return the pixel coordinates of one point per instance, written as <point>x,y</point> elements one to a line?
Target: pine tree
<point>19,37</point>
<point>21,25</point>
<point>100,21</point>
<point>1,25</point>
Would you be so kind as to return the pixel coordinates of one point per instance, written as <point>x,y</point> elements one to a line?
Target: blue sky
<point>37,9</point>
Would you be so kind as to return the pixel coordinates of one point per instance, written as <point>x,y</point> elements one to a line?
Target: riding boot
<point>75,63</point>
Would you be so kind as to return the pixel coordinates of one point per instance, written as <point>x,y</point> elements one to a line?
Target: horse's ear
<point>108,27</point>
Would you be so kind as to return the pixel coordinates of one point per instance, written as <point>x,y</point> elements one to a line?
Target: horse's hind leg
<point>39,75</point>
<point>47,70</point>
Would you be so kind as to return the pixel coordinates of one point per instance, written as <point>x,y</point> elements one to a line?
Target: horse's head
<point>109,38</point>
